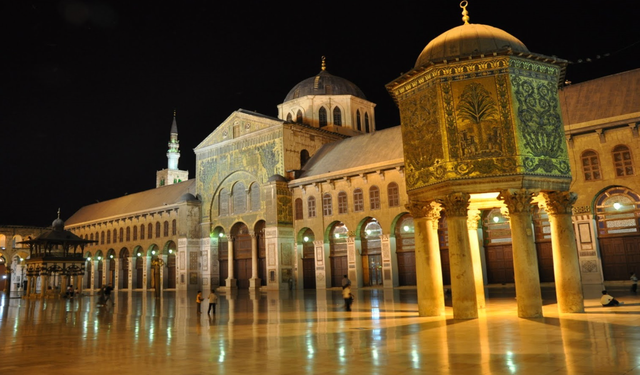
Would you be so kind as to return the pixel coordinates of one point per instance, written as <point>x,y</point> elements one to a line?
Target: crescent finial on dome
<point>324,63</point>
<point>465,14</point>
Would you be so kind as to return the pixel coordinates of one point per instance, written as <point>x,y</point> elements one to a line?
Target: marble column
<point>559,205</point>
<point>427,254</point>
<point>525,258</point>
<point>254,282</point>
<point>463,288</point>
<point>231,281</point>
<point>473,216</point>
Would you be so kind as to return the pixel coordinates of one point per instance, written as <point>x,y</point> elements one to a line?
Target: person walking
<point>346,282</point>
<point>348,297</point>
<point>106,292</point>
<point>213,299</point>
<point>199,300</point>
<point>634,283</point>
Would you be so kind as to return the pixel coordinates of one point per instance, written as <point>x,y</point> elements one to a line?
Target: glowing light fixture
<point>305,239</point>
<point>153,252</point>
<point>617,206</point>
<point>496,219</point>
<point>170,251</point>
<point>139,254</point>
<point>111,256</point>
<point>406,228</point>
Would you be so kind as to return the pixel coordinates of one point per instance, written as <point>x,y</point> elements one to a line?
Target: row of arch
<point>238,199</point>
<point>362,120</point>
<point>131,233</point>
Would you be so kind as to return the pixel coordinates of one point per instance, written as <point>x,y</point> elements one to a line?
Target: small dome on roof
<point>58,224</point>
<point>468,40</point>
<point>324,83</point>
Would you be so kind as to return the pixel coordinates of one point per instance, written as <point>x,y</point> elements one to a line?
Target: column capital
<point>420,209</point>
<point>517,200</point>
<point>456,204</point>
<point>472,219</point>
<point>559,202</point>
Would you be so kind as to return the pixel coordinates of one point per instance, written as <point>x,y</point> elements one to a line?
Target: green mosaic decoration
<point>540,125</point>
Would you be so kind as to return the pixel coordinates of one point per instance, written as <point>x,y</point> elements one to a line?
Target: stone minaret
<point>172,174</point>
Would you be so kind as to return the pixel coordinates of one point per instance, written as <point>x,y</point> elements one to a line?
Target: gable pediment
<point>239,124</point>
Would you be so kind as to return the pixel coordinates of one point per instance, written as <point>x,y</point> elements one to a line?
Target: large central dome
<point>324,83</point>
<point>469,40</point>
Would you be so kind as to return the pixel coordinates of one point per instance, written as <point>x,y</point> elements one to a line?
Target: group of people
<point>213,299</point>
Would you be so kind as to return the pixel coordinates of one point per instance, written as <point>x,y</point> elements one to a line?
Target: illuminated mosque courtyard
<point>308,332</point>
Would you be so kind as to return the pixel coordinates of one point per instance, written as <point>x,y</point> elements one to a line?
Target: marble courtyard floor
<point>308,332</point>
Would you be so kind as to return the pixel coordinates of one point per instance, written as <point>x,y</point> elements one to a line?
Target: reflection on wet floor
<point>308,332</point>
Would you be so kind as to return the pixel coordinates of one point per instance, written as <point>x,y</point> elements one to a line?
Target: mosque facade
<point>499,173</point>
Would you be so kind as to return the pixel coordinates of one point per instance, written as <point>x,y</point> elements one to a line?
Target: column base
<point>231,283</point>
<point>255,283</point>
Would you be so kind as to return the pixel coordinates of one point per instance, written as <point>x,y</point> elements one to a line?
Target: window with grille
<point>374,198</point>
<point>343,206</point>
<point>311,206</point>
<point>358,200</point>
<point>622,161</point>
<point>327,209</point>
<point>394,194</point>
<point>591,166</point>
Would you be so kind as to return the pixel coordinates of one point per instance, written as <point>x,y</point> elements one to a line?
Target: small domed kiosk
<point>55,261</point>
<point>481,124</point>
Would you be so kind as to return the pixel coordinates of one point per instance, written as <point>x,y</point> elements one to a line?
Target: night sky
<point>89,87</point>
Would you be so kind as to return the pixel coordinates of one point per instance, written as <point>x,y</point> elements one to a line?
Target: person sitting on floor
<point>607,300</point>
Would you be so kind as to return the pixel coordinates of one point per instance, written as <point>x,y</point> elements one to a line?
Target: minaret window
<point>358,121</point>
<point>322,117</point>
<point>102,238</point>
<point>128,234</point>
<point>121,237</point>
<point>166,228</point>
<point>142,231</point>
<point>366,123</point>
<point>150,231</point>
<point>358,200</point>
<point>337,116</point>
<point>374,198</point>
<point>174,228</point>
<point>311,207</point>
<point>299,117</point>
<point>622,161</point>
<point>135,233</point>
<point>157,229</point>
<point>591,166</point>
<point>342,203</point>
<point>298,209</point>
<point>108,236</point>
<point>327,205</point>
